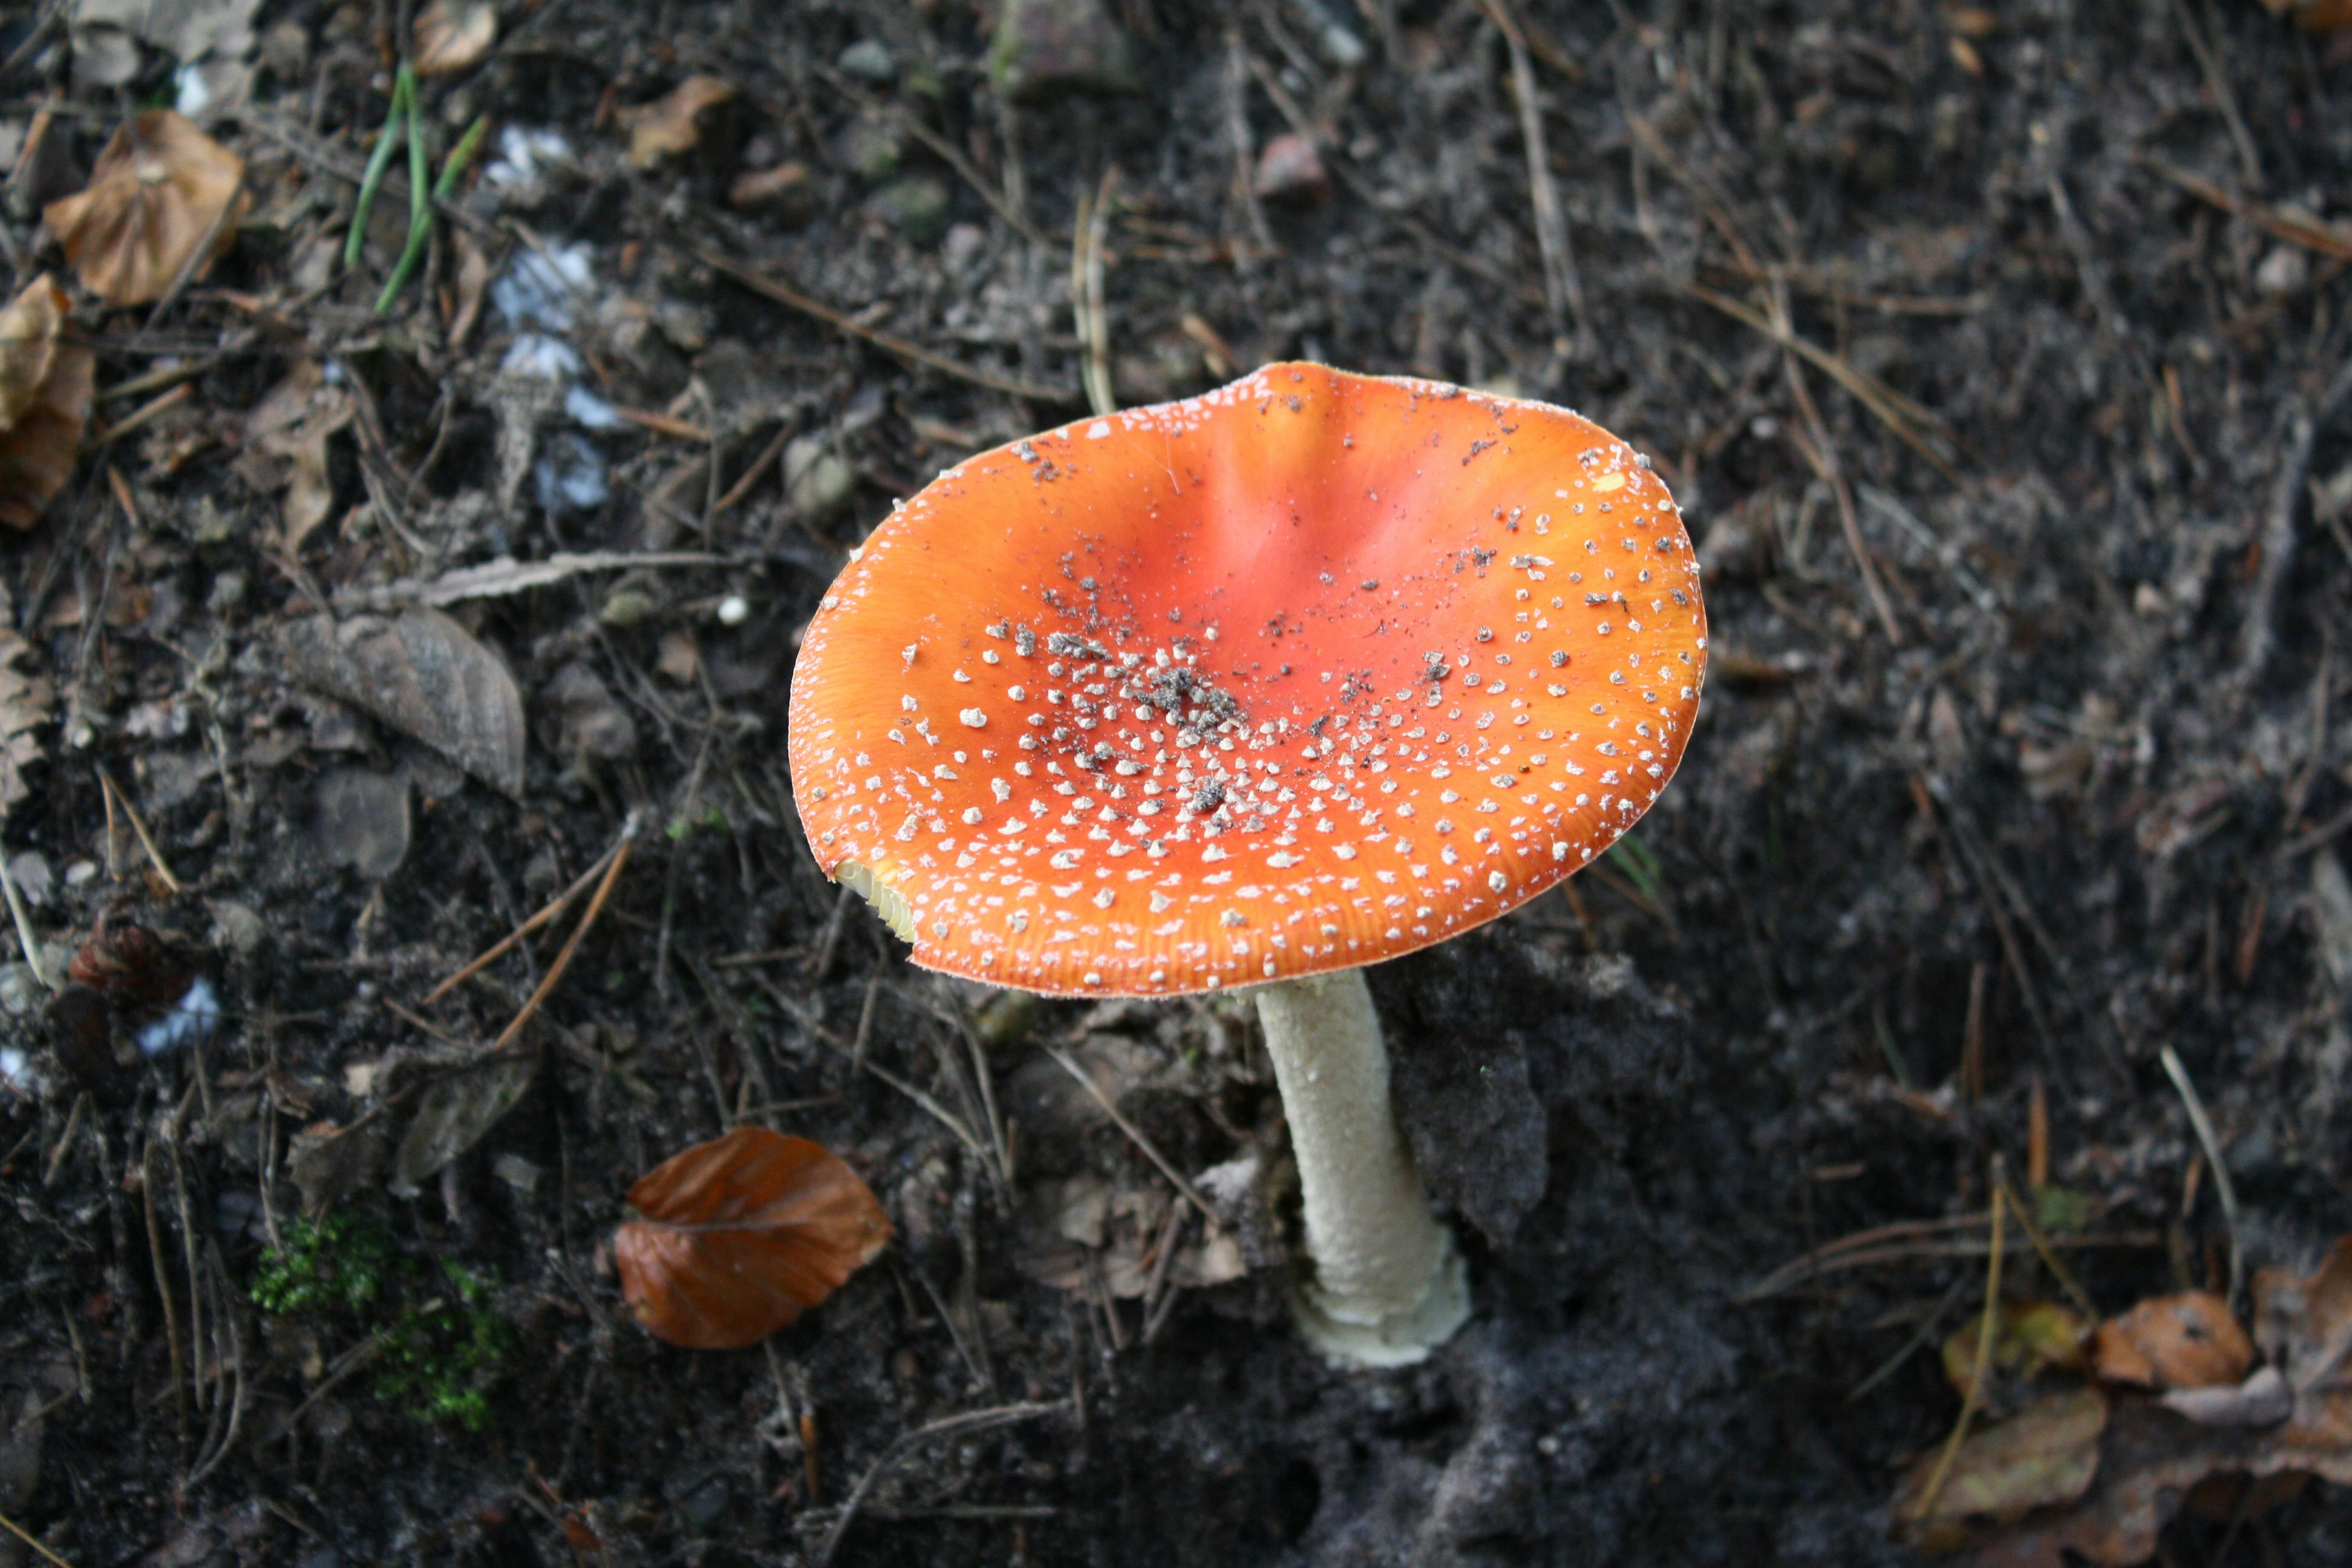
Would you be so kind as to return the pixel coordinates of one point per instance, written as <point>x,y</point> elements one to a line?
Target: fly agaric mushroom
<point>1255,690</point>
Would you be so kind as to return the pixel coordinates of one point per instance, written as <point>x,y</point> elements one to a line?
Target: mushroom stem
<point>1387,1286</point>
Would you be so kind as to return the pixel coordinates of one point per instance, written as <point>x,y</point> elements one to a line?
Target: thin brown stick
<point>751,476</point>
<point>18,1530</point>
<point>2217,82</point>
<point>1134,1134</point>
<point>146,840</point>
<point>2289,224</point>
<point>944,149</point>
<point>164,1291</point>
<point>587,918</point>
<point>1857,1252</point>
<point>2202,1125</point>
<point>1975,1395</point>
<point>2048,1254</point>
<point>196,259</point>
<point>952,1426</point>
<point>1823,455</point>
<point>1911,423</point>
<point>1563,292</point>
<point>553,908</point>
<point>1237,136</point>
<point>1086,292</point>
<point>24,921</point>
<point>145,413</point>
<point>785,294</point>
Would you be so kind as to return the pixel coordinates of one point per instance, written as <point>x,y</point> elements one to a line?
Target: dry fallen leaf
<point>2043,1455</point>
<point>2188,1340</point>
<point>28,344</point>
<point>741,1236</point>
<point>185,30</point>
<point>45,387</point>
<point>285,446</point>
<point>456,1113</point>
<point>2292,1417</point>
<point>162,190</point>
<point>24,708</point>
<point>671,124</point>
<point>426,675</point>
<point>2030,1338</point>
<point>453,34</point>
<point>1079,1230</point>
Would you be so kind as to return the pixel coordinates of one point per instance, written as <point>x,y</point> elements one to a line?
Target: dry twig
<point>2203,1127</point>
<point>1134,1134</point>
<point>146,840</point>
<point>1563,292</point>
<point>950,1426</point>
<point>506,944</point>
<point>1975,1395</point>
<point>563,959</point>
<point>1086,292</point>
<point>35,1541</point>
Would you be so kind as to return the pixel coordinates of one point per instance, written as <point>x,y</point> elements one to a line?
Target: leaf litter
<point>46,383</point>
<point>163,199</point>
<point>426,676</point>
<point>2097,1470</point>
<point>24,710</point>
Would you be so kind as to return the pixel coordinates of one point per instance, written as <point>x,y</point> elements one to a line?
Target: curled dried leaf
<point>285,446</point>
<point>2240,1443</point>
<point>454,34</point>
<point>45,387</point>
<point>672,123</point>
<point>161,192</point>
<point>2030,1338</point>
<point>2188,1340</point>
<point>741,1236</point>
<point>2042,1456</point>
<point>424,675</point>
<point>133,966</point>
<point>29,343</point>
<point>24,709</point>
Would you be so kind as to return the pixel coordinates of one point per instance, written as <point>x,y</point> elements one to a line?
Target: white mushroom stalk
<point>1388,1285</point>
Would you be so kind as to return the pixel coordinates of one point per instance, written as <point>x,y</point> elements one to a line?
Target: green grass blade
<point>378,165</point>
<point>452,167</point>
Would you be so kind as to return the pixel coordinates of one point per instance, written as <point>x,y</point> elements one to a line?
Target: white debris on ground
<point>191,1021</point>
<point>541,294</point>
<point>527,156</point>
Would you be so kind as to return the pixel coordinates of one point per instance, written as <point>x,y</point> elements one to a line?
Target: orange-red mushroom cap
<point>1300,674</point>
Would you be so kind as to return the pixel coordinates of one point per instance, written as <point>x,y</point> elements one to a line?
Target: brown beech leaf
<point>741,1236</point>
<point>45,387</point>
<point>160,190</point>
<point>453,34</point>
<point>671,124</point>
<point>2188,1340</point>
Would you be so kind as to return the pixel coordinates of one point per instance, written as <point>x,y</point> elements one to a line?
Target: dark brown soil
<point>2027,576</point>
